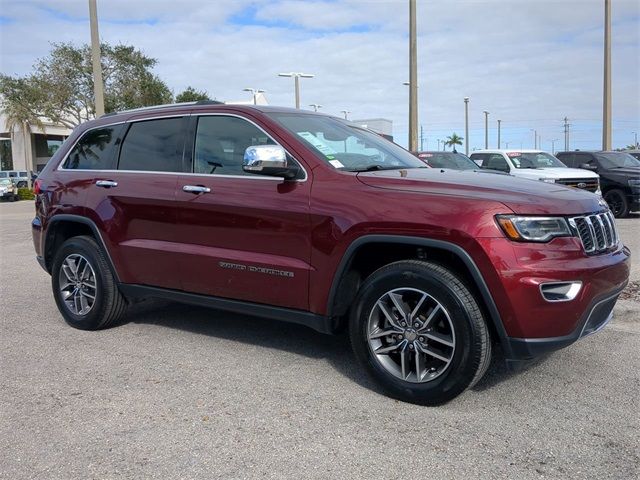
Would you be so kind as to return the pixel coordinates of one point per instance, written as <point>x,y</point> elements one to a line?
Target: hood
<point>521,195</point>
<point>555,172</point>
<point>631,172</point>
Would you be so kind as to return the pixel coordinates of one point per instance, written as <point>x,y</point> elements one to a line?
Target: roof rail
<point>166,105</point>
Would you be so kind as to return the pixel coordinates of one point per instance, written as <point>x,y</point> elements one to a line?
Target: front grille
<point>597,232</point>
<point>588,184</point>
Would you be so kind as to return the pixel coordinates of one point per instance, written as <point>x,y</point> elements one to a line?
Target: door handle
<point>196,189</point>
<point>106,183</point>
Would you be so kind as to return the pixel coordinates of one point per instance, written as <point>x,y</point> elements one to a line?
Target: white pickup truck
<point>537,165</point>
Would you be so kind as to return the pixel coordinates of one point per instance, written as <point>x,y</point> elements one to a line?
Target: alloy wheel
<point>411,335</point>
<point>77,284</point>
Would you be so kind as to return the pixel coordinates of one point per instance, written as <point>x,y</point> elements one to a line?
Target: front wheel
<point>418,331</point>
<point>617,201</point>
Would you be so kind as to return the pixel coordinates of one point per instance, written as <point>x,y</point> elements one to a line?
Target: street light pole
<point>98,84</point>
<point>535,138</point>
<point>413,79</point>
<point>466,126</point>
<point>606,104</point>
<point>254,93</point>
<point>486,129</point>
<point>345,113</point>
<point>635,139</point>
<point>499,121</point>
<point>553,146</point>
<point>438,145</point>
<point>296,76</point>
<point>316,106</point>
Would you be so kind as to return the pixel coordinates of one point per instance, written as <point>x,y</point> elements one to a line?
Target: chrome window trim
<point>248,176</point>
<point>64,159</point>
<point>264,177</point>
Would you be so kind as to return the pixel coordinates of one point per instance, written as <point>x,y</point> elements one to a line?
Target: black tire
<point>109,304</point>
<point>472,354</point>
<point>12,198</point>
<point>617,201</point>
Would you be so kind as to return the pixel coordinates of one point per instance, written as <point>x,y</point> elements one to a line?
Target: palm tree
<point>453,140</point>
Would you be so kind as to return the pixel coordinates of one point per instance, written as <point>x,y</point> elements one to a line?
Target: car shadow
<point>272,334</point>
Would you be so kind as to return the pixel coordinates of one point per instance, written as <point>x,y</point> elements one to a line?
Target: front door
<point>244,236</point>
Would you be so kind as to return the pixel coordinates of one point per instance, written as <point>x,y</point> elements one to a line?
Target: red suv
<point>307,218</point>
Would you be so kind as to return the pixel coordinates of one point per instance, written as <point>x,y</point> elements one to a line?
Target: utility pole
<point>486,129</point>
<point>98,84</point>
<point>421,138</point>
<point>438,145</point>
<point>466,126</point>
<point>535,138</point>
<point>499,121</point>
<point>606,104</point>
<point>296,76</point>
<point>553,146</point>
<point>635,139</point>
<point>413,79</point>
<point>566,134</point>
<point>254,93</point>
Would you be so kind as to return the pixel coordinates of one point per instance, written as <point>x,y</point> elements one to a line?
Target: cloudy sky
<point>528,62</point>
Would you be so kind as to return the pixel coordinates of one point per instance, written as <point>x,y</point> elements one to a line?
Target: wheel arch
<point>61,227</point>
<point>343,275</point>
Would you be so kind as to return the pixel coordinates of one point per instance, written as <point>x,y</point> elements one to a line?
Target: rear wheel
<point>84,288</point>
<point>617,202</point>
<point>418,331</point>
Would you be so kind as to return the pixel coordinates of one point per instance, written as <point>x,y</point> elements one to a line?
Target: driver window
<point>496,162</point>
<point>221,142</point>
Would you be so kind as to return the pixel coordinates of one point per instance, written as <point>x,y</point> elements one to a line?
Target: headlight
<point>548,180</point>
<point>533,229</point>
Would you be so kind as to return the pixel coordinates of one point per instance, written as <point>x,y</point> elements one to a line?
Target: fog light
<point>560,291</point>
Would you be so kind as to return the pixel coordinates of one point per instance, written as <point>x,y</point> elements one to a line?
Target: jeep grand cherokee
<point>307,218</point>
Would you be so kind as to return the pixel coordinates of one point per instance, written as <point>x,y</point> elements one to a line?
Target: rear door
<point>134,205</point>
<point>244,236</point>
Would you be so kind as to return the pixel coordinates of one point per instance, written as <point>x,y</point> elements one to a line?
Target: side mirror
<point>589,166</point>
<point>269,160</point>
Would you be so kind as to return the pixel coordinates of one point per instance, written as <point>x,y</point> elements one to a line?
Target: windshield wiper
<point>371,168</point>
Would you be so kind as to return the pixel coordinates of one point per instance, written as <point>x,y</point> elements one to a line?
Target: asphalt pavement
<point>185,392</point>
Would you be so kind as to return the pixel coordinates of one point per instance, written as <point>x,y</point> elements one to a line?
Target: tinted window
<point>567,158</point>
<point>495,162</point>
<point>478,158</point>
<point>221,142</point>
<point>153,145</point>
<point>582,158</point>
<point>95,150</point>
<point>617,160</point>
<point>455,161</point>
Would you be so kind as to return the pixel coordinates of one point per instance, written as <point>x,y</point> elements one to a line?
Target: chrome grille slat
<point>597,232</point>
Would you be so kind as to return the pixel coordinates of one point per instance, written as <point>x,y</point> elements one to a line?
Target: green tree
<point>454,140</point>
<point>61,85</point>
<point>190,94</point>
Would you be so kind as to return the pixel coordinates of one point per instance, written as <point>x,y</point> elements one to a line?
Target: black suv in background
<point>619,177</point>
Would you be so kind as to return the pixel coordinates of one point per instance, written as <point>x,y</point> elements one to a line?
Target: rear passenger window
<point>153,145</point>
<point>95,150</point>
<point>221,142</point>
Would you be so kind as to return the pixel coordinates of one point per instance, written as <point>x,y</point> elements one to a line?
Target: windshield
<point>453,160</point>
<point>617,160</point>
<point>535,160</point>
<point>346,146</point>
<point>5,181</point>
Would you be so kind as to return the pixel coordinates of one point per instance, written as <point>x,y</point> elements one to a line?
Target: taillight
<point>36,187</point>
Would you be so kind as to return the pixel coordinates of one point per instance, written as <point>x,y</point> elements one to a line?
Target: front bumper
<point>594,319</point>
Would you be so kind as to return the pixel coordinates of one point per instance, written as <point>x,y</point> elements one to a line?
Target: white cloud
<point>528,63</point>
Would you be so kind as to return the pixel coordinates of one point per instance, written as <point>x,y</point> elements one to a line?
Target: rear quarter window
<point>95,150</point>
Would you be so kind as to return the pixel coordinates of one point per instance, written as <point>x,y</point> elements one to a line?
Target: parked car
<point>452,160</point>
<point>619,177</point>
<point>537,165</point>
<point>307,218</point>
<point>634,153</point>
<point>19,177</point>
<point>8,190</point>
